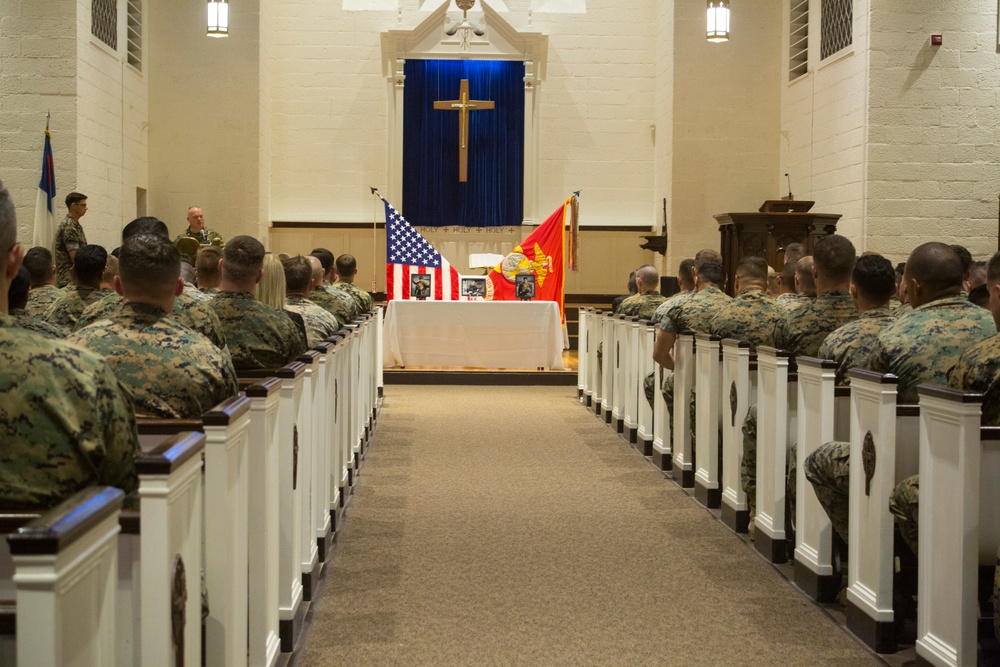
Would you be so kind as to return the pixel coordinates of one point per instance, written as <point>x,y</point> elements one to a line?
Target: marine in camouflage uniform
<point>788,300</point>
<point>68,308</point>
<point>195,293</point>
<point>362,299</point>
<point>340,305</point>
<point>258,336</point>
<point>69,237</point>
<point>172,371</point>
<point>641,305</point>
<point>320,324</point>
<point>958,336</point>
<point>37,325</point>
<point>65,422</point>
<point>660,314</point>
<point>750,316</point>
<point>40,299</point>
<point>851,345</point>
<point>193,314</point>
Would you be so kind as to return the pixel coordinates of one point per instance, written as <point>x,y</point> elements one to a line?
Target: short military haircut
<point>298,273</point>
<point>110,268</point>
<point>325,258</point>
<point>993,269</point>
<point>89,263</point>
<point>936,266</point>
<point>347,265</point>
<point>707,255</point>
<point>712,272</point>
<point>74,198</point>
<point>964,256</point>
<point>980,296</point>
<point>17,293</point>
<point>147,224</point>
<point>834,257</point>
<point>8,223</point>
<point>874,278</point>
<point>38,261</point>
<point>187,272</point>
<point>752,268</point>
<point>794,252</point>
<point>804,271</point>
<point>647,276</point>
<point>685,272</point>
<point>977,273</point>
<point>242,258</point>
<point>207,261</point>
<point>788,274</point>
<point>150,265</point>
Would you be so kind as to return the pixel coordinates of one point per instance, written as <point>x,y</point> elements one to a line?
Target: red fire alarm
<point>936,40</point>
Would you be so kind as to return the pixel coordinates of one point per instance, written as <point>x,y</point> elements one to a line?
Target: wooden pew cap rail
<point>872,376</point>
<point>263,388</point>
<point>309,357</point>
<point>733,342</point>
<point>172,453</point>
<point>226,412</point>
<point>62,525</point>
<point>287,372</point>
<point>814,362</point>
<point>699,335</point>
<point>944,393</point>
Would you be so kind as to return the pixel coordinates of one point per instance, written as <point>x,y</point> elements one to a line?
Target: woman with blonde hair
<point>270,291</point>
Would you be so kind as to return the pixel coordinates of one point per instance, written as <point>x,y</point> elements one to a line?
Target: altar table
<point>478,334</point>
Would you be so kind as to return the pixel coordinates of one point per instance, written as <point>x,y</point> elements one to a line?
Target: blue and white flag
<point>45,227</point>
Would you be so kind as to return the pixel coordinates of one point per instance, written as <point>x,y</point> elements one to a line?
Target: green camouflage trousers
<point>748,467</point>
<point>904,506</point>
<point>649,386</point>
<point>828,469</point>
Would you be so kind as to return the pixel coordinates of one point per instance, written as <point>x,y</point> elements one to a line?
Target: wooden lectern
<point>767,231</point>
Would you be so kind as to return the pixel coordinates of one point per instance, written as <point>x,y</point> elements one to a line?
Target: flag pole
<point>374,237</point>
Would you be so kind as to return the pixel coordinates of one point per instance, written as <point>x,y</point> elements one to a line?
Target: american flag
<point>408,253</point>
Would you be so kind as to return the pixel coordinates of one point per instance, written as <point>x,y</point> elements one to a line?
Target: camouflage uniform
<point>320,324</point>
<point>40,299</point>
<point>65,422</point>
<point>851,345</point>
<point>258,336</point>
<point>362,299</point>
<point>209,291</point>
<point>801,332</point>
<point>69,237</point>
<point>205,237</point>
<point>343,310</point>
<point>189,312</point>
<point>828,468</point>
<point>37,325</point>
<point>749,317</point>
<point>641,305</point>
<point>173,372</point>
<point>790,300</point>
<point>195,293</point>
<point>661,311</point>
<point>804,328</point>
<point>902,309</point>
<point>68,308</point>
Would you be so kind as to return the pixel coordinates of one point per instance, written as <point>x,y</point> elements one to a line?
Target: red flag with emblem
<point>543,255</point>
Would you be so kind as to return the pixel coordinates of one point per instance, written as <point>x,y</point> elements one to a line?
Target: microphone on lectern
<point>790,197</point>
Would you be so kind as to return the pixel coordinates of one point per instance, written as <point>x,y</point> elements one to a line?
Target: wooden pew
<point>739,392</point>
<point>684,375</point>
<point>66,564</point>
<point>583,366</point>
<point>959,469</point>
<point>291,411</point>
<point>884,450</point>
<point>708,380</point>
<point>824,412</point>
<point>309,549</point>
<point>776,427</point>
<point>171,500</point>
<point>663,457</point>
<point>226,429</point>
<point>632,388</point>
<point>620,357</point>
<point>607,366</point>
<point>596,338</point>
<point>645,336</point>
<point>323,429</point>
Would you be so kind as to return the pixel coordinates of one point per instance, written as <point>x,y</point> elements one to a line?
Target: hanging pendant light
<point>718,20</point>
<point>218,18</point>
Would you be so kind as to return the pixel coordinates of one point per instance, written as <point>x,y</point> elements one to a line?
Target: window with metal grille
<point>134,32</point>
<point>836,26</point>
<point>798,39</point>
<point>104,21</point>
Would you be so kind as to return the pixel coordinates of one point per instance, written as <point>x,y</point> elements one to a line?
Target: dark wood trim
<point>814,362</point>
<point>710,498</point>
<point>737,520</point>
<point>227,412</point>
<point>130,522</point>
<point>310,580</point>
<point>683,477</point>
<point>289,629</point>
<point>699,335</point>
<point>11,520</point>
<point>907,410</point>
<point>878,636</point>
<point>263,388</point>
<point>286,372</point>
<point>953,395</point>
<point>309,357</point>
<point>663,460</point>
<point>772,351</point>
<point>8,618</point>
<point>819,587</point>
<point>872,376</point>
<point>774,550</point>
<point>732,342</point>
<point>168,426</point>
<point>841,391</point>
<point>645,447</point>
<point>66,522</point>
<point>171,453</point>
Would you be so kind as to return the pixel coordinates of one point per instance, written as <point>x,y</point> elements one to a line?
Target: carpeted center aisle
<point>498,525</point>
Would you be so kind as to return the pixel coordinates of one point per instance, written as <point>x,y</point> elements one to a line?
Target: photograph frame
<point>421,292</point>
<point>473,286</point>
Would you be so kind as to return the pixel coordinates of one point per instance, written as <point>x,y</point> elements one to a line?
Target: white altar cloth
<point>479,334</point>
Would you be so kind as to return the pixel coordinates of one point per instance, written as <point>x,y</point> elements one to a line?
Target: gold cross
<point>463,105</point>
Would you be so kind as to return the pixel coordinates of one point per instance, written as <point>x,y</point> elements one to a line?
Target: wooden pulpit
<point>768,231</point>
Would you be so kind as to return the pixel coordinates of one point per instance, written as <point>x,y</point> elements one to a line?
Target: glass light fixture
<point>718,20</point>
<point>218,18</point>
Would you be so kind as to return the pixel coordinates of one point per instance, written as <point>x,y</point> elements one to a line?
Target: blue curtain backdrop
<point>494,193</point>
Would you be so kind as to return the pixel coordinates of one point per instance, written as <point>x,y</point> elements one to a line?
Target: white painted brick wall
<point>933,159</point>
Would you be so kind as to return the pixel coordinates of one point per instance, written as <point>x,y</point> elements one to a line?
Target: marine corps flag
<point>543,255</point>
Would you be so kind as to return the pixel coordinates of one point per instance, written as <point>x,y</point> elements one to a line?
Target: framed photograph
<point>421,286</point>
<point>474,287</point>
<point>524,287</point>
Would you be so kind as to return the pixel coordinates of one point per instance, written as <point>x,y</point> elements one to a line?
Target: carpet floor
<point>511,527</point>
